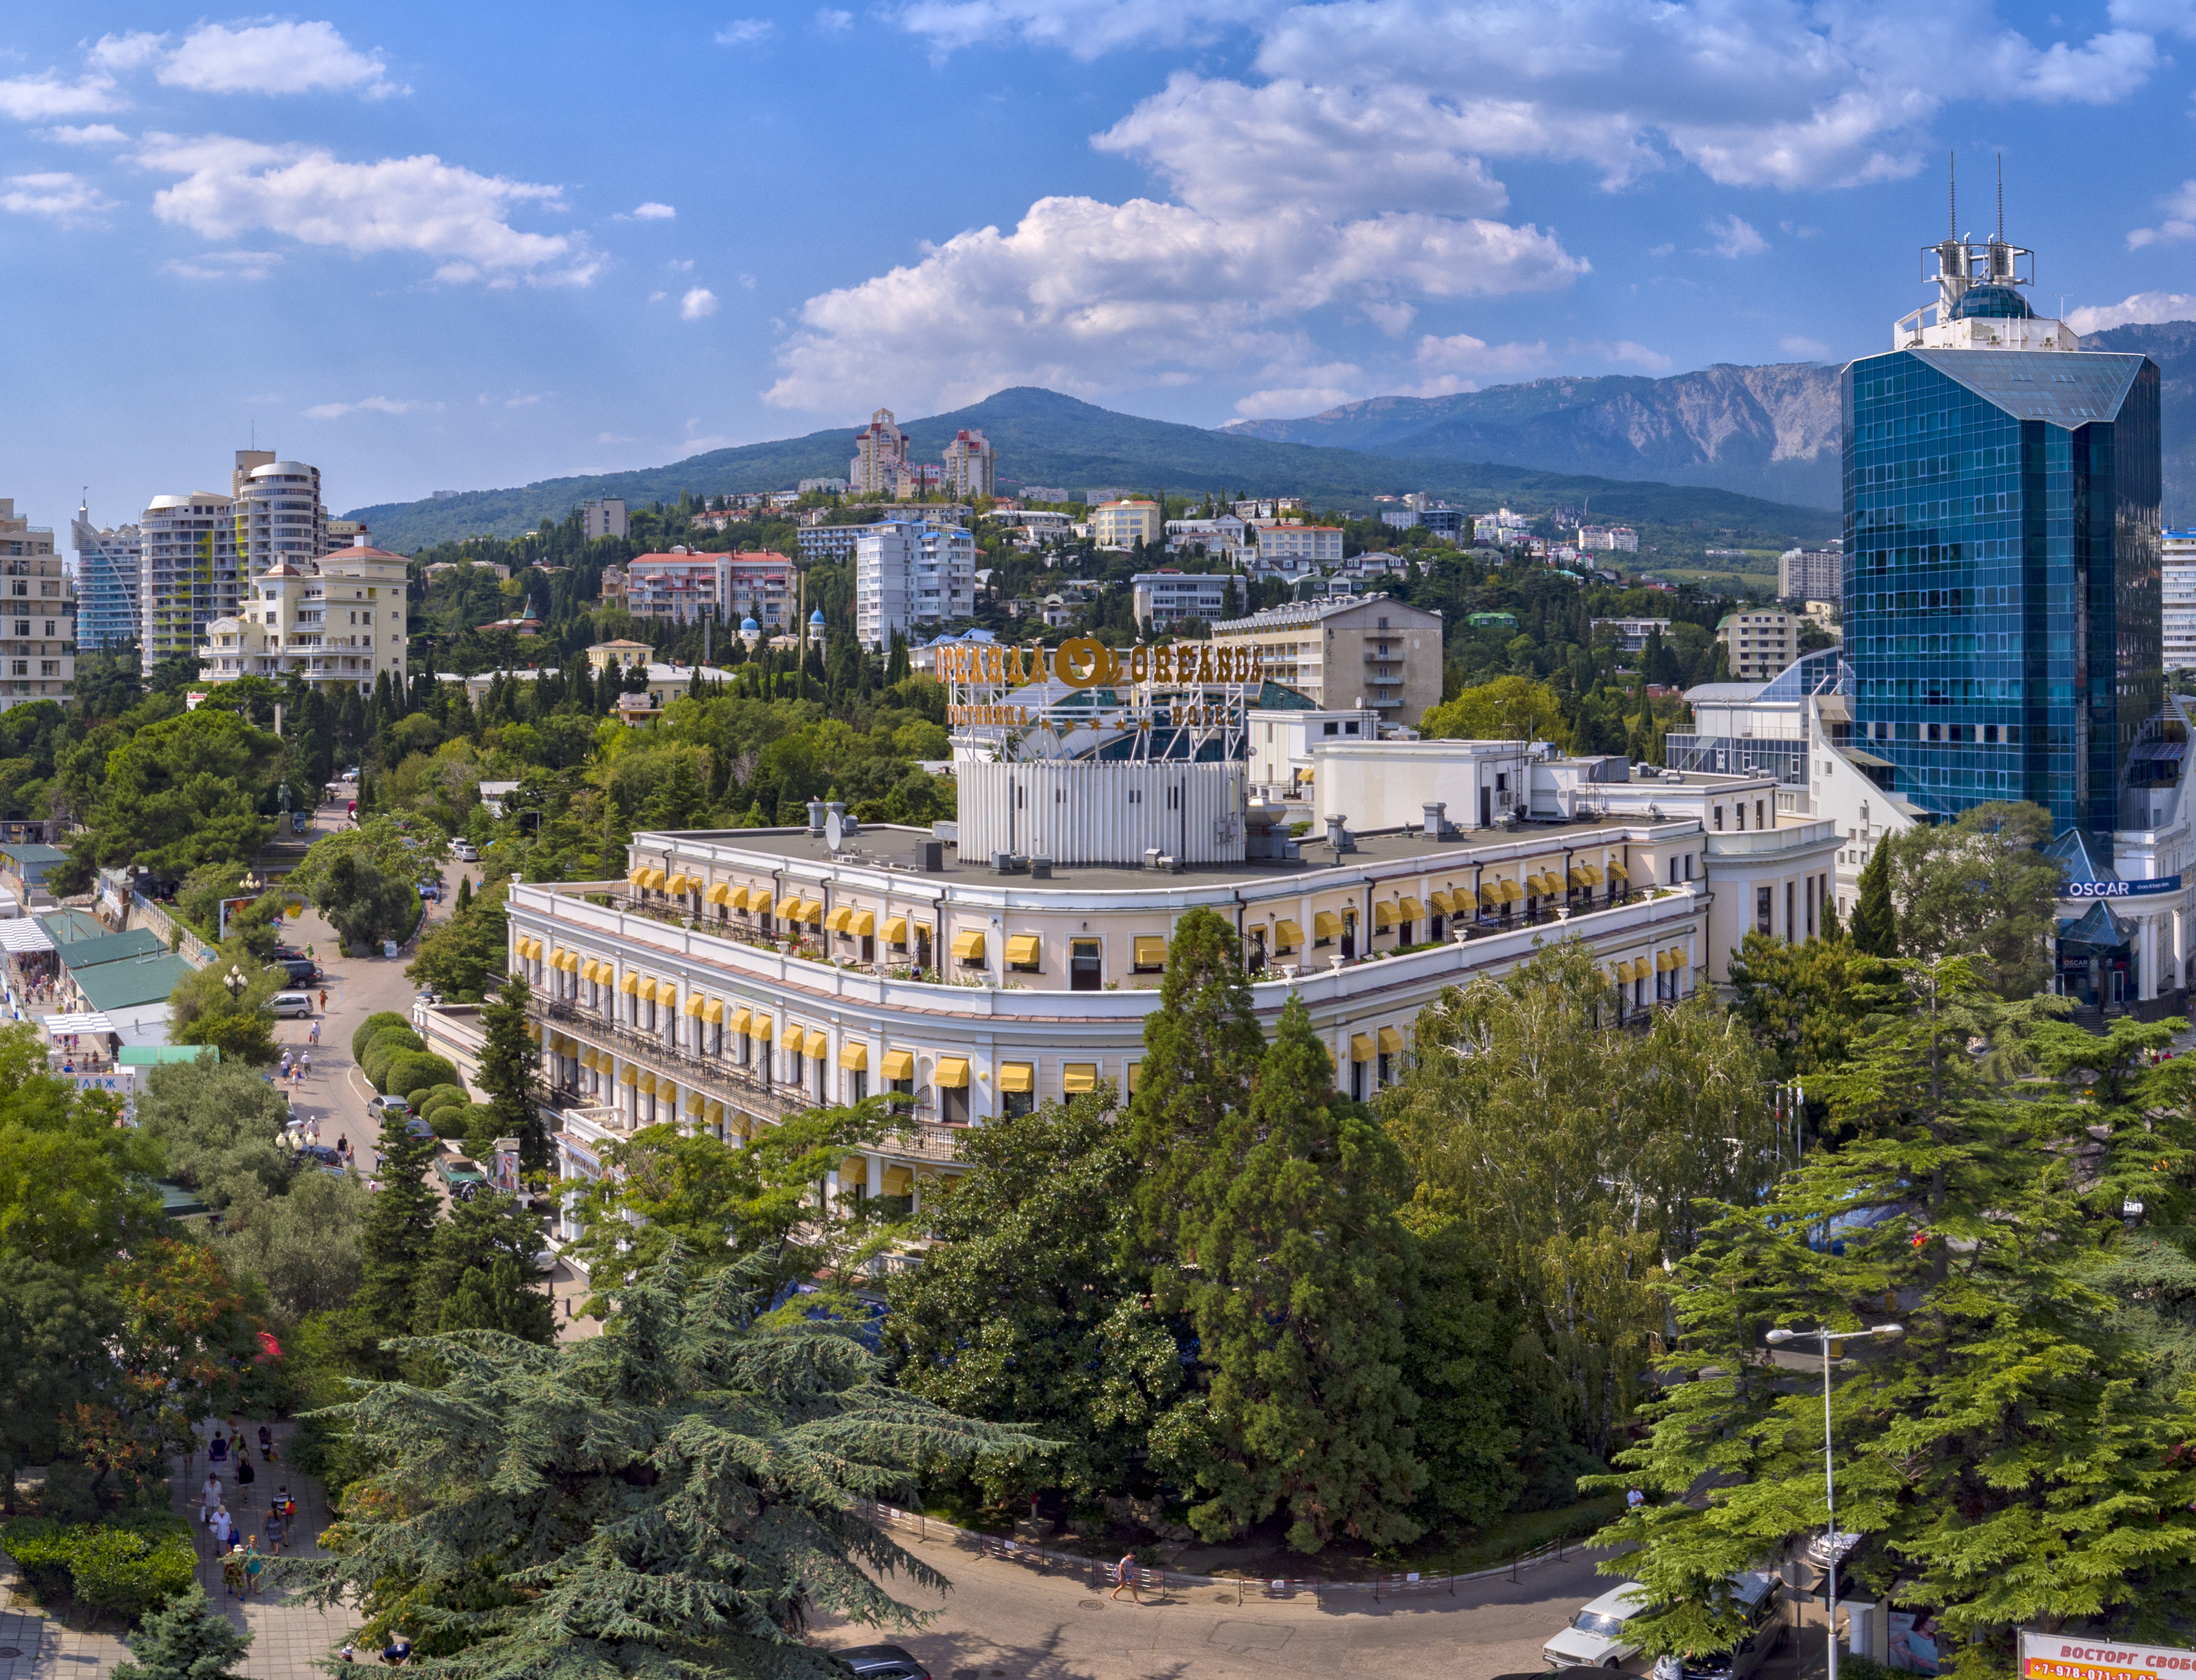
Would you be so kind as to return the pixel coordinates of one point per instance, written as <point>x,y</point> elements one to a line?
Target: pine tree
<point>465,895</point>
<point>398,1229</point>
<point>1875,921</point>
<point>1297,1297</point>
<point>480,1274</point>
<point>187,1639</point>
<point>675,1495</point>
<point>1201,1047</point>
<point>897,667</point>
<point>508,1065</point>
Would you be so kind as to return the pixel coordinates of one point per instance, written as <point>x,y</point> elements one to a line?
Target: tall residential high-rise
<point>187,572</point>
<point>880,455</point>
<point>605,516</point>
<point>909,574</point>
<point>1810,575</point>
<point>37,614</point>
<point>2178,628</point>
<point>337,621</point>
<point>971,465</point>
<point>2002,576</point>
<point>279,515</point>
<point>107,583</point>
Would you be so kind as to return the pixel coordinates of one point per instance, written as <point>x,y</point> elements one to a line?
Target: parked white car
<point>465,851</point>
<point>289,1005</point>
<point>1595,1638</point>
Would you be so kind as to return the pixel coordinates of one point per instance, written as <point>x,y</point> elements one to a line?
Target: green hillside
<point>1045,438</point>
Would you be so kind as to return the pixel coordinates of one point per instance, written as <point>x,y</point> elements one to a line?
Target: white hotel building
<point>733,977</point>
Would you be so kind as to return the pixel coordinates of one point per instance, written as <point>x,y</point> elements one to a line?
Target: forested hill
<point>1045,438</point>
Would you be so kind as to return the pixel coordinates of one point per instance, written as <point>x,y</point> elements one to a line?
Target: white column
<point>2149,987</point>
<point>875,1185</point>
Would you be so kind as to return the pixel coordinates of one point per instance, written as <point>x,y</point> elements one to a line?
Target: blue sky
<point>458,247</point>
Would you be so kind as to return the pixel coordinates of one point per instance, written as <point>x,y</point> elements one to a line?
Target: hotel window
<point>1764,913</point>
<point>1085,969</point>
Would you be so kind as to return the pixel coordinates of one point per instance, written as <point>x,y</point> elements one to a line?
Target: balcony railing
<point>726,1081</point>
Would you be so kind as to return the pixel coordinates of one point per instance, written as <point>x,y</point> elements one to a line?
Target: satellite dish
<point>834,830</point>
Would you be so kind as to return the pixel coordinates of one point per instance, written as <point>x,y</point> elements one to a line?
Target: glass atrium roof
<point>1993,303</point>
<point>2040,385</point>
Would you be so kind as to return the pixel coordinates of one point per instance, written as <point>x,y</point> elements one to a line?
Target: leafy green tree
<point>510,1065</point>
<point>1458,1337</point>
<point>183,792</point>
<point>691,1492</point>
<point>2013,1459</point>
<point>1875,918</point>
<point>399,1234</point>
<point>1202,1045</point>
<point>481,1273</point>
<point>1980,885</point>
<point>365,907</point>
<point>1024,1311</point>
<point>1301,1268</point>
<point>75,1187</point>
<point>219,1124</point>
<point>1804,1002</point>
<point>57,1322</point>
<point>302,1247</point>
<point>1508,708</point>
<point>203,1011</point>
<point>186,1639</point>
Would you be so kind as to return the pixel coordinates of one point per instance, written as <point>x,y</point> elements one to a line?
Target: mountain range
<point>1726,456</point>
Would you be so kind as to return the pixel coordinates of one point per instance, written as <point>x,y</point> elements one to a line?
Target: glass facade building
<point>2002,576</point>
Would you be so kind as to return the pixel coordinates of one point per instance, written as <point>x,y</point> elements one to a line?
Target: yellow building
<point>1762,643</point>
<point>1121,524</point>
<point>339,621</point>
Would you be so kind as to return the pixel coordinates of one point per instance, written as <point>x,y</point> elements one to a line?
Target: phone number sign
<point>2051,1656</point>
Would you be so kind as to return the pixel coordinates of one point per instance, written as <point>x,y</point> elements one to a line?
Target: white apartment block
<point>880,456</point>
<point>37,613</point>
<point>1349,654</point>
<point>1631,634</point>
<point>908,575</point>
<point>1281,545</point>
<point>1761,644</point>
<point>2180,608</point>
<point>1811,575</point>
<point>1163,599</point>
<point>337,621</point>
<point>971,465</point>
<point>1501,528</point>
<point>685,588</point>
<point>1123,524</point>
<point>278,512</point>
<point>1622,539</point>
<point>187,572</point>
<point>605,516</point>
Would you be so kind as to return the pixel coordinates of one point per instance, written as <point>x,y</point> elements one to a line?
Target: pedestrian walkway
<point>289,1635</point>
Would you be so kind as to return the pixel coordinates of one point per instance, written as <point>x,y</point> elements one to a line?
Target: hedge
<point>386,1046</point>
<point>409,1070</point>
<point>372,1024</point>
<point>126,1566</point>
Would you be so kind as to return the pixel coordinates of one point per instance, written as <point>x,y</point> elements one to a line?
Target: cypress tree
<point>1875,921</point>
<point>399,1230</point>
<point>508,1064</point>
<point>464,894</point>
<point>1302,1267</point>
<point>1201,1047</point>
<point>187,1640</point>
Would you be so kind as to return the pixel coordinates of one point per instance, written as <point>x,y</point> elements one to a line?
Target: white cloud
<point>680,265</point>
<point>697,304</point>
<point>124,53</point>
<point>747,283</point>
<point>2180,222</point>
<point>1322,387</point>
<point>1796,344</point>
<point>421,204</point>
<point>30,99</point>
<point>1086,28</point>
<point>224,265</point>
<point>745,31</point>
<point>274,57</point>
<point>1084,295</point>
<point>377,405</point>
<point>1623,350</point>
<point>1734,237</point>
<point>1462,362</point>
<point>832,21</point>
<point>89,134</point>
<point>651,212</point>
<point>2141,310</point>
<point>54,193</point>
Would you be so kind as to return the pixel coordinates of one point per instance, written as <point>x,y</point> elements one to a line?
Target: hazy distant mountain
<point>1045,438</point>
<point>2172,346</point>
<point>1768,432</point>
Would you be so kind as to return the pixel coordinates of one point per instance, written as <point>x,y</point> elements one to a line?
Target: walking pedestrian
<point>1125,1578</point>
<point>232,1575</point>
<point>266,1444</point>
<point>272,1530</point>
<point>343,1144</point>
<point>254,1561</point>
<point>246,1476</point>
<point>324,1004</point>
<point>314,1037</point>
<point>209,1497</point>
<point>217,1450</point>
<point>224,1528</point>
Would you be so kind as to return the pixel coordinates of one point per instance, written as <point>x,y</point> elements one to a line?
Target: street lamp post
<point>236,982</point>
<point>1777,1338</point>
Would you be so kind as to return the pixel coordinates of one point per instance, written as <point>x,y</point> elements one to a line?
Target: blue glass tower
<point>2002,577</point>
<point>106,577</point>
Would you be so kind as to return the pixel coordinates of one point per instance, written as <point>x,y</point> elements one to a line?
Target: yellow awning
<point>1288,936</point>
<point>557,955</point>
<point>1022,948</point>
<point>899,1064</point>
<point>952,1073</point>
<point>896,930</point>
<point>1576,877</point>
<point>1617,870</point>
<point>808,910</point>
<point>1672,958</point>
<point>817,1047</point>
<point>839,920</point>
<point>1442,902</point>
<point>1510,892</point>
<point>758,902</point>
<point>645,991</point>
<point>1627,971</point>
<point>713,1012</point>
<point>1326,925</point>
<point>1383,914</point>
<point>693,1102</point>
<point>533,1031</point>
<point>713,1111</point>
<point>628,1074</point>
<point>1017,1078</point>
<point>1545,885</point>
<point>1361,1048</point>
<point>677,883</point>
<point>571,962</point>
<point>863,924</point>
<point>740,1021</point>
<point>586,1057</point>
<point>719,894</point>
<point>1077,1077</point>
<point>1150,950</point>
<point>630,983</point>
<point>695,1003</point>
<point>639,876</point>
<point>854,1055</point>
<point>657,880</point>
<point>666,1086</point>
<point>1391,1041</point>
<point>737,899</point>
<point>1136,1077</point>
<point>968,946</point>
<point>1410,909</point>
<point>1592,874</point>
<point>761,1031</point>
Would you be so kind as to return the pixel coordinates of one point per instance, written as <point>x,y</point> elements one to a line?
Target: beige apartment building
<point>339,620</point>
<point>1122,524</point>
<point>37,628</point>
<point>1762,643</point>
<point>1370,652</point>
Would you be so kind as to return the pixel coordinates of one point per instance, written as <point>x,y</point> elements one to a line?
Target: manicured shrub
<point>385,1047</point>
<point>126,1566</point>
<point>372,1024</point>
<point>409,1070</point>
